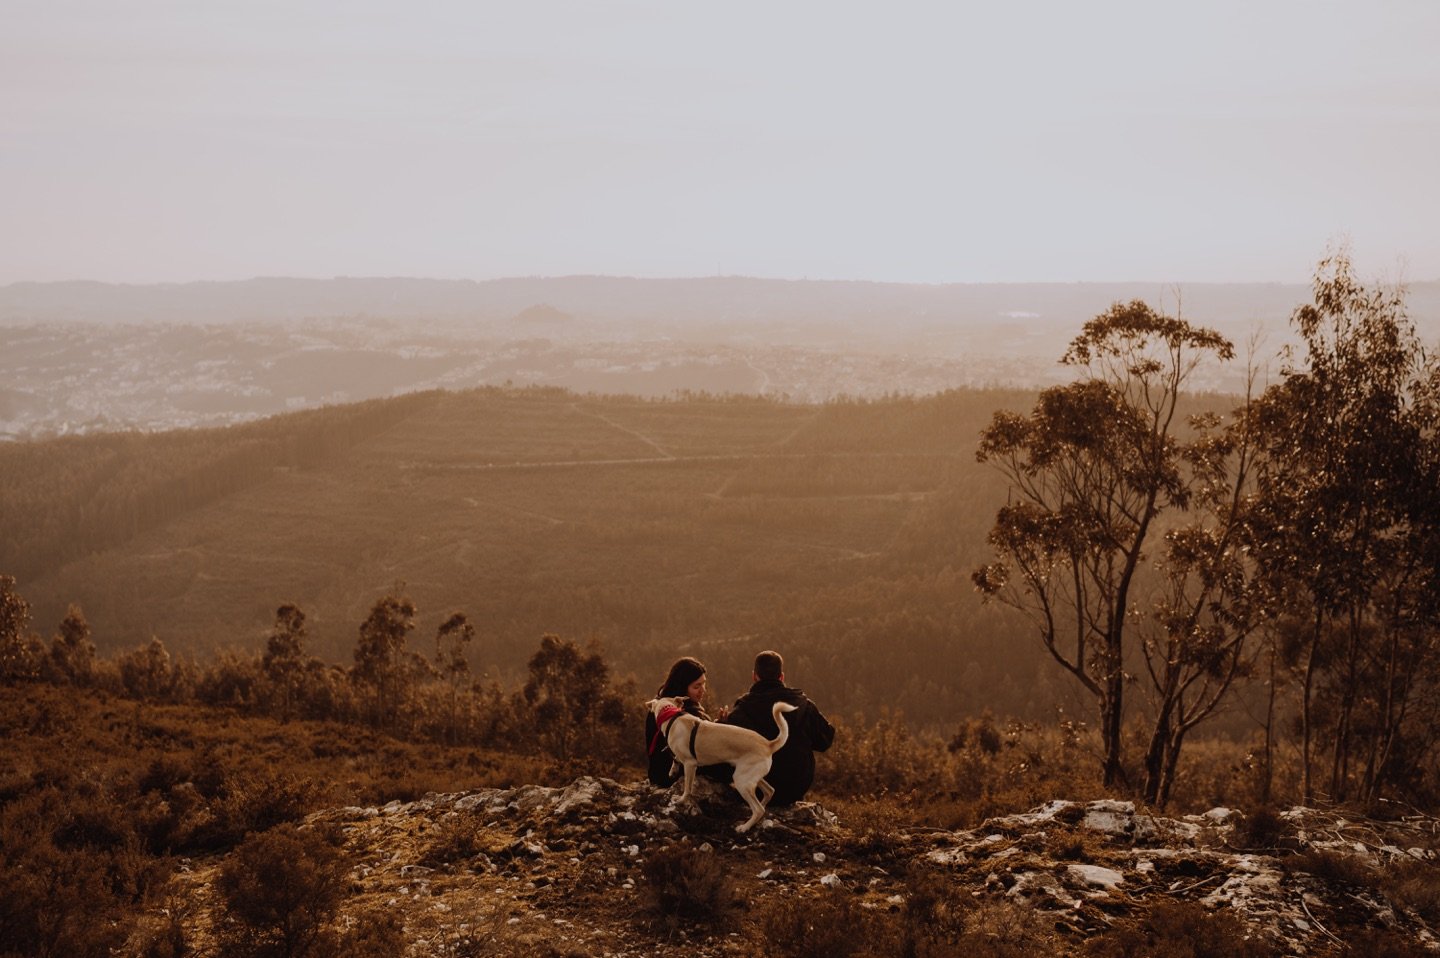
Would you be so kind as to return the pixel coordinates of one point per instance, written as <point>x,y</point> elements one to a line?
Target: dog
<point>695,742</point>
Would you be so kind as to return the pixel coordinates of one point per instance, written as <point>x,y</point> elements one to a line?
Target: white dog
<point>696,742</point>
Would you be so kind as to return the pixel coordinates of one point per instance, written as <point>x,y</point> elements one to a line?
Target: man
<point>793,769</point>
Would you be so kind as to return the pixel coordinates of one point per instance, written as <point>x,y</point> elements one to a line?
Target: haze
<point>910,142</point>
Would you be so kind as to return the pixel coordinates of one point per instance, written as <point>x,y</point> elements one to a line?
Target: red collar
<point>668,714</point>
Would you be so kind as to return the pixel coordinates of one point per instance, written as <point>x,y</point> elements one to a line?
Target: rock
<point>1097,876</point>
<point>581,792</point>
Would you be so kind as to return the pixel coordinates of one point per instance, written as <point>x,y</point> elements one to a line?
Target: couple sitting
<point>792,769</point>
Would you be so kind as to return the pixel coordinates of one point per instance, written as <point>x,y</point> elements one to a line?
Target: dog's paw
<point>742,828</point>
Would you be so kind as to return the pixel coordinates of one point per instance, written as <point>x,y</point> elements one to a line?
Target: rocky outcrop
<point>505,870</point>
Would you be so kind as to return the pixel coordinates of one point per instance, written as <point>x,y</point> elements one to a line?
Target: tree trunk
<point>1155,755</point>
<point>1112,712</point>
<point>1267,779</point>
<point>1307,785</point>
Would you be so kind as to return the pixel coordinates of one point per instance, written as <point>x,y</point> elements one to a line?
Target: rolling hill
<point>842,534</point>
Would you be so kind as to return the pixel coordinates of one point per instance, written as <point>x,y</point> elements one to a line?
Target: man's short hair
<point>769,666</point>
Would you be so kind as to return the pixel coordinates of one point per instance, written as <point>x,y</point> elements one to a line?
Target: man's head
<point>769,666</point>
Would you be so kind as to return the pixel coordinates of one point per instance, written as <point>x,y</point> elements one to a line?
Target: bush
<point>1414,885</point>
<point>255,802</point>
<point>1335,868</point>
<point>1383,943</point>
<point>688,884</point>
<point>1263,830</point>
<point>457,839</point>
<point>281,889</point>
<point>1182,930</point>
<point>831,925</point>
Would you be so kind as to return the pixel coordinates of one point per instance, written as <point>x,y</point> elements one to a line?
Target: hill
<point>842,534</point>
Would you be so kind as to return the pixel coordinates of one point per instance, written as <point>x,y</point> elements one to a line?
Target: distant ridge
<point>609,298</point>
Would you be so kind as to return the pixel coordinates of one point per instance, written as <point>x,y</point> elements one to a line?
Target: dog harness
<point>664,720</point>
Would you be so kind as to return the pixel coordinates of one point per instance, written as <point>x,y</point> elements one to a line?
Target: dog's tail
<point>778,742</point>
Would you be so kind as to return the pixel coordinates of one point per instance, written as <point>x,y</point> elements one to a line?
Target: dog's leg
<point>767,792</point>
<point>689,780</point>
<point>745,782</point>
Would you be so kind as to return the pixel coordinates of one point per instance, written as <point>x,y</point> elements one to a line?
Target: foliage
<point>281,889</point>
<point>571,703</point>
<point>1091,472</point>
<point>689,885</point>
<point>1347,528</point>
<point>1182,930</point>
<point>378,654</point>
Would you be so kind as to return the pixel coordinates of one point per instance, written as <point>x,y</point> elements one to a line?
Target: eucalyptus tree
<point>284,656</point>
<point>1091,469</point>
<point>1347,523</point>
<point>1210,601</point>
<point>379,652</point>
<point>452,639</point>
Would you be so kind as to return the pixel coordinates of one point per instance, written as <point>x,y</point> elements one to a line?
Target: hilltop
<point>151,831</point>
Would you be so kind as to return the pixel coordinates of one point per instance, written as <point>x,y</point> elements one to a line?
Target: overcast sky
<point>896,141</point>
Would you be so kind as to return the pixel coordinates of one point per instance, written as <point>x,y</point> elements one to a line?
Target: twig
<point>1181,891</point>
<point>1312,917</point>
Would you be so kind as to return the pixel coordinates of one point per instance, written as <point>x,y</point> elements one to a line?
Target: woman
<point>686,680</point>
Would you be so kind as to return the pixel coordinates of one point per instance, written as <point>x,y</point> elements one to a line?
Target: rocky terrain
<point>573,871</point>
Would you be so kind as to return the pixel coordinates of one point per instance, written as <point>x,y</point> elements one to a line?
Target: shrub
<point>1335,868</point>
<point>1414,885</point>
<point>255,802</point>
<point>1182,930</point>
<point>1383,943</point>
<point>999,929</point>
<point>1262,830</point>
<point>831,925</point>
<point>688,884</point>
<point>281,888</point>
<point>456,839</point>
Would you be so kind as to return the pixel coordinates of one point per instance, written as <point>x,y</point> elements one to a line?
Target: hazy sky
<point>902,141</point>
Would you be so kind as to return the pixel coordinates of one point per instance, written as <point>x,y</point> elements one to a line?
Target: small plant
<point>1383,943</point>
<point>1415,885</point>
<point>1001,929</point>
<point>1335,868</point>
<point>688,884</point>
<point>831,925</point>
<point>1074,847</point>
<point>456,839</point>
<point>1262,830</point>
<point>1182,930</point>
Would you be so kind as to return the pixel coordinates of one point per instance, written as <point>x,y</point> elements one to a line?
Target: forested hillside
<point>843,534</point>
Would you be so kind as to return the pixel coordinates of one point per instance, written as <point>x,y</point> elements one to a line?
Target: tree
<point>147,672</point>
<point>1347,527</point>
<point>1090,470</point>
<point>20,652</point>
<point>1210,600</point>
<point>451,640</point>
<point>284,656</point>
<point>378,654</point>
<point>72,653</point>
<point>569,696</point>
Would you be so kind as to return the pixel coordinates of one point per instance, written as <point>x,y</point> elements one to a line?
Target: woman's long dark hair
<point>684,672</point>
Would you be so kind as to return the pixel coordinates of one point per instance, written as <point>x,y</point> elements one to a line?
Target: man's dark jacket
<point>793,769</point>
